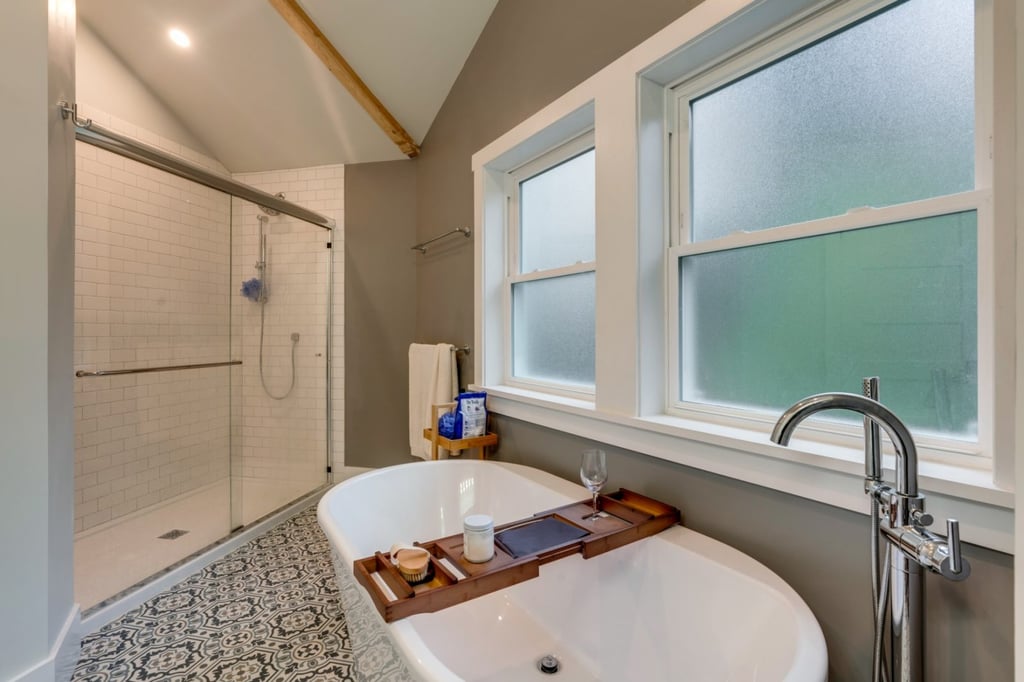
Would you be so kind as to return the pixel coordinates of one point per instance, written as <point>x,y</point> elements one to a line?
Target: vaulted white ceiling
<point>259,99</point>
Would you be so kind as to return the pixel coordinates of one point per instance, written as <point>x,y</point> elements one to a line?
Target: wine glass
<point>593,474</point>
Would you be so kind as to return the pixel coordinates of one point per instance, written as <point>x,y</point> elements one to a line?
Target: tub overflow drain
<point>548,665</point>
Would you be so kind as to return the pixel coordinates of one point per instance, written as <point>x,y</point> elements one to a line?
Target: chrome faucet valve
<point>934,552</point>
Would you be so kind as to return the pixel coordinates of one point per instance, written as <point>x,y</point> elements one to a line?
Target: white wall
<point>1018,575</point>
<point>36,181</point>
<point>105,82</point>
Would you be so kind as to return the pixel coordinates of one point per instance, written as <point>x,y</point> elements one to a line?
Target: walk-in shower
<point>197,411</point>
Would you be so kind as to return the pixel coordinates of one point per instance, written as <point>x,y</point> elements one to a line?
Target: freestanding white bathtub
<point>676,606</point>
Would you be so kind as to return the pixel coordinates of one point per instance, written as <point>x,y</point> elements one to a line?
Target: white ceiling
<point>257,96</point>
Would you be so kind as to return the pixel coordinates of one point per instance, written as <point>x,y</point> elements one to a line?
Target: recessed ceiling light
<point>179,37</point>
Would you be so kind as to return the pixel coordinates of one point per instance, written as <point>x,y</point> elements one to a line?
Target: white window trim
<point>513,180</point>
<point>626,104</point>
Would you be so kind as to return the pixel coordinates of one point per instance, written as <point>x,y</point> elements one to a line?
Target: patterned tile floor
<point>267,611</point>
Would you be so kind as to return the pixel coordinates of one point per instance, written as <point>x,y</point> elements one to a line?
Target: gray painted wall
<point>531,52</point>
<point>36,275</point>
<point>380,309</point>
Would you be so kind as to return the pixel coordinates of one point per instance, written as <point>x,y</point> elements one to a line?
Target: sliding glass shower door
<point>198,410</point>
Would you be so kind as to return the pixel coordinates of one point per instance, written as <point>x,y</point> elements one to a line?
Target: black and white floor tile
<point>268,611</point>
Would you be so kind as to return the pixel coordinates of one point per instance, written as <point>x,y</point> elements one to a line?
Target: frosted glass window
<point>553,329</point>
<point>766,325</point>
<point>556,226</point>
<point>878,114</point>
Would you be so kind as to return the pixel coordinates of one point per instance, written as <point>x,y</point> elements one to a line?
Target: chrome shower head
<point>270,211</point>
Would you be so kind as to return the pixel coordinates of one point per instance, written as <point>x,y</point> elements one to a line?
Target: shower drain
<point>172,534</point>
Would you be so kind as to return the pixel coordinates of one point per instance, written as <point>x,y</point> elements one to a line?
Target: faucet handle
<point>956,561</point>
<point>922,518</point>
<point>947,557</point>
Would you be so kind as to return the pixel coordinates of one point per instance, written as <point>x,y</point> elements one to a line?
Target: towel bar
<point>422,246</point>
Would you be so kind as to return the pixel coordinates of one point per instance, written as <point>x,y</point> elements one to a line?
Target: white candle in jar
<point>478,538</point>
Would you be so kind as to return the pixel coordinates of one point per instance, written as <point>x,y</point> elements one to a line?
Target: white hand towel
<point>432,380</point>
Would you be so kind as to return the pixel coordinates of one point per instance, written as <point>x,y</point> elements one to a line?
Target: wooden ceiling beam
<point>307,29</point>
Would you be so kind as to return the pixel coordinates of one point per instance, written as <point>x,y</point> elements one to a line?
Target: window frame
<point>626,104</point>
<point>771,49</point>
<point>549,159</point>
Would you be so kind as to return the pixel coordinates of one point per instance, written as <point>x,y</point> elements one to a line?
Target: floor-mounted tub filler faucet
<point>903,523</point>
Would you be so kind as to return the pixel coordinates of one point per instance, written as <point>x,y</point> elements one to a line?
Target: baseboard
<point>60,664</point>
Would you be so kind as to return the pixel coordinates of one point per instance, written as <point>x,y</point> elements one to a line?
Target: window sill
<point>829,474</point>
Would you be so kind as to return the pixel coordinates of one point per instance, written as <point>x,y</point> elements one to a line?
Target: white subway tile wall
<point>157,281</point>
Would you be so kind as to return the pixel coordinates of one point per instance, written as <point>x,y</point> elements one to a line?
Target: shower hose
<point>295,341</point>
<point>879,594</point>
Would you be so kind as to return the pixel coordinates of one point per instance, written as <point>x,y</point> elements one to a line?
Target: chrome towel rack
<point>422,246</point>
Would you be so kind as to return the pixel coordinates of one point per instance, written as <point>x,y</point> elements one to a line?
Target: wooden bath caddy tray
<point>628,517</point>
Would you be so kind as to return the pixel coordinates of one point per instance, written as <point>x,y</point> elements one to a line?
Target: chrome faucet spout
<point>906,464</point>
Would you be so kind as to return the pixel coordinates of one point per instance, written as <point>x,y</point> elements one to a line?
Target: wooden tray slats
<point>629,517</point>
